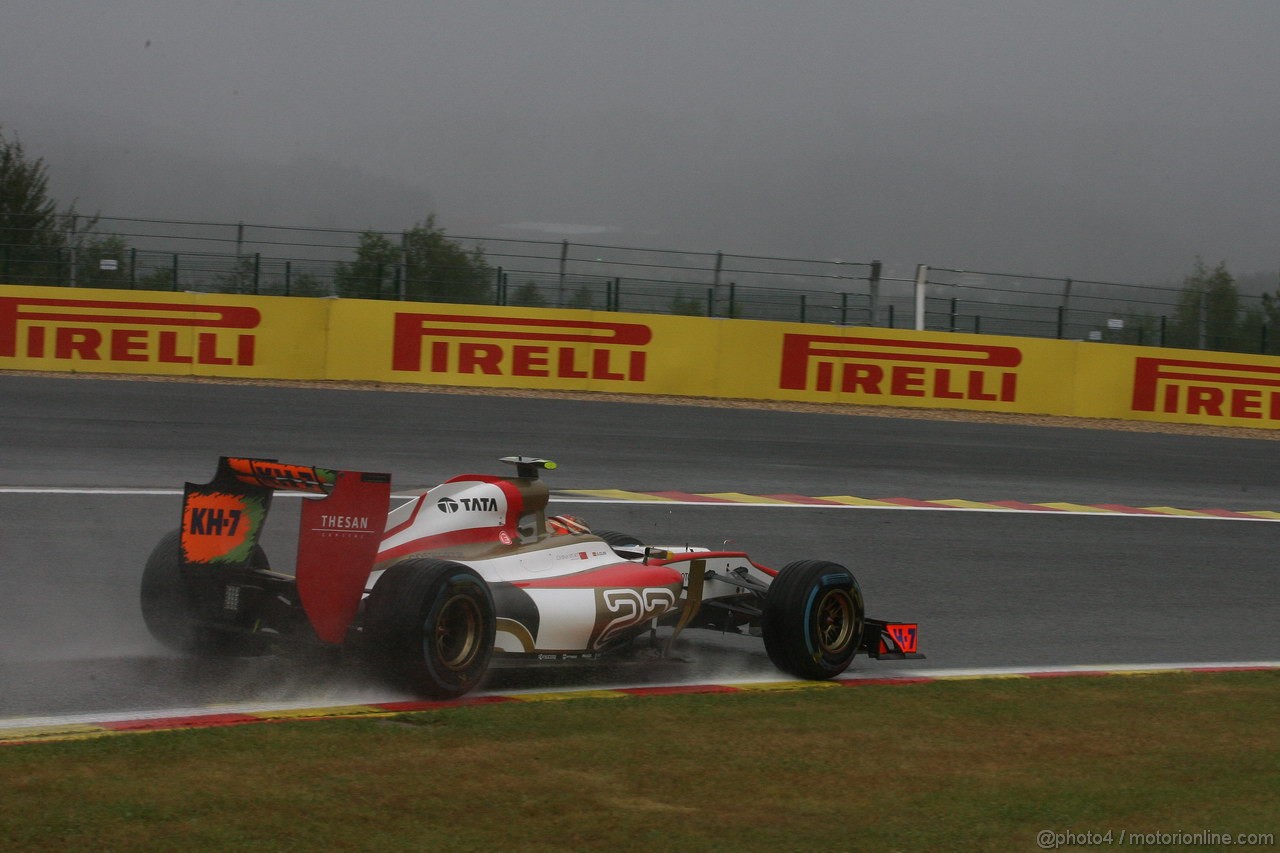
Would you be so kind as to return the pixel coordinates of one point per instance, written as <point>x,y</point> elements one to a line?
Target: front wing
<point>890,640</point>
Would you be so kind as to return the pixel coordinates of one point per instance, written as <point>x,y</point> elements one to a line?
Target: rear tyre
<point>431,626</point>
<point>170,613</point>
<point>813,619</point>
<point>623,544</point>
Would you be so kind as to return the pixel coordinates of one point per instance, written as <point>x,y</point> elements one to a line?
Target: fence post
<point>715,282</point>
<point>844,309</point>
<point>711,301</point>
<point>922,277</point>
<point>71,246</point>
<point>1202,322</point>
<point>402,269</point>
<point>874,290</point>
<point>1164,328</point>
<point>1062,319</point>
<point>257,272</point>
<point>239,259</point>
<point>288,278</point>
<point>954,301</point>
<point>173,285</point>
<point>733,299</point>
<point>804,303</point>
<point>133,267</point>
<point>891,315</point>
<point>564,264</point>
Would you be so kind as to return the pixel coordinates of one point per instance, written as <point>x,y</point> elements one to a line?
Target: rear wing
<point>338,534</point>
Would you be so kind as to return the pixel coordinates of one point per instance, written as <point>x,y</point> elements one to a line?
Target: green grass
<point>950,765</point>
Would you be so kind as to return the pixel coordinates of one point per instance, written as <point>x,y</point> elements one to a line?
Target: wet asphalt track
<point>988,589</point>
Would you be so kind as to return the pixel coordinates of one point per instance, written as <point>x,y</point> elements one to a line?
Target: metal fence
<point>151,254</point>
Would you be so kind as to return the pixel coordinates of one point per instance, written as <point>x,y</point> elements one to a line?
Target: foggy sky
<point>1113,140</point>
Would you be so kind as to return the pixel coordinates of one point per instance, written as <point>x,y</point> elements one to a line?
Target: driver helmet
<point>560,525</point>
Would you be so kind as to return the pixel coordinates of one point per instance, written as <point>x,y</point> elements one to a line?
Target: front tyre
<point>430,626</point>
<point>813,619</point>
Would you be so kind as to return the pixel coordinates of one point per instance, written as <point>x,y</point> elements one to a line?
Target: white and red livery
<point>471,572</point>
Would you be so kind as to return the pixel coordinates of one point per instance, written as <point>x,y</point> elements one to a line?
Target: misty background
<point>1107,140</point>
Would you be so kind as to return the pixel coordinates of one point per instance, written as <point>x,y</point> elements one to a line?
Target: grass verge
<point>954,765</point>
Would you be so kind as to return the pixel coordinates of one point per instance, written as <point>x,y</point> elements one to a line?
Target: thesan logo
<point>900,368</point>
<point>1206,388</point>
<point>354,523</point>
<point>520,346</point>
<point>108,331</point>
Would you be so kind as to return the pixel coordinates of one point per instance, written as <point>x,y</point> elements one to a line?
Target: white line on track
<point>767,504</point>
<point>192,711</point>
<point>764,504</point>
<point>75,490</point>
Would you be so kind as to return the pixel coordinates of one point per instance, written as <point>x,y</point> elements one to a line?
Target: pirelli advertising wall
<point>106,331</point>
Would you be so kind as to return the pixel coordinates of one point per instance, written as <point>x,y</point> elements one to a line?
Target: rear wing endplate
<point>338,534</point>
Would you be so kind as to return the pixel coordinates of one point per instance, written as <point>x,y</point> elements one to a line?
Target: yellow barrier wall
<point>146,332</point>
<point>481,346</point>
<point>484,346</point>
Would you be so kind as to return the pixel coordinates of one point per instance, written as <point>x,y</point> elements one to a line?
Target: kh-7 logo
<point>218,527</point>
<point>210,521</point>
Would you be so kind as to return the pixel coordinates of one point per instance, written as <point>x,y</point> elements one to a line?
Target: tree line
<point>43,244</point>
<point>1211,314</point>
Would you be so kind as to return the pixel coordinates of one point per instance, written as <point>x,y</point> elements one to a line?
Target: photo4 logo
<point>60,333</point>
<point>1206,389</point>
<point>862,367</point>
<point>546,348</point>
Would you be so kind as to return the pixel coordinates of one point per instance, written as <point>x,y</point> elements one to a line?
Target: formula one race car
<point>471,572</point>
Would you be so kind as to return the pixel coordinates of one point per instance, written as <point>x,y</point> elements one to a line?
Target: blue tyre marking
<point>808,611</point>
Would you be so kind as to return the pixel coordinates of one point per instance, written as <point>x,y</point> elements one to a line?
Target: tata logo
<point>1212,389</point>
<point>520,346</point>
<point>452,505</point>
<point>888,367</point>
<point>100,330</point>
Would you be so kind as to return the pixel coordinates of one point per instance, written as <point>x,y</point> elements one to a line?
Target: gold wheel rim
<point>835,621</point>
<point>456,635</point>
